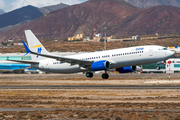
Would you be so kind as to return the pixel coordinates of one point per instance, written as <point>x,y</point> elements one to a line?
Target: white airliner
<point>117,59</point>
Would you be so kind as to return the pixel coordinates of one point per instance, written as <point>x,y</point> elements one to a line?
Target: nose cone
<point>170,53</point>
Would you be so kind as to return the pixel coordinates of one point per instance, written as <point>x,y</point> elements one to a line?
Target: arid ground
<point>88,103</point>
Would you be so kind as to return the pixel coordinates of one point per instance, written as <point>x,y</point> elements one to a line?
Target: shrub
<point>177,118</point>
<point>39,116</point>
<point>33,115</point>
<point>94,117</point>
<point>118,118</point>
<point>84,116</point>
<point>107,119</point>
<point>71,115</point>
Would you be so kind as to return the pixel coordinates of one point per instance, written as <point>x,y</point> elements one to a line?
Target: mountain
<point>1,12</point>
<point>51,8</point>
<point>25,14</point>
<point>159,19</point>
<point>18,17</point>
<point>150,3</point>
<point>75,19</point>
<point>120,17</point>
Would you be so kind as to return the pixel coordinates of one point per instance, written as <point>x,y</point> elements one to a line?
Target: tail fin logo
<point>39,50</point>
<point>36,46</point>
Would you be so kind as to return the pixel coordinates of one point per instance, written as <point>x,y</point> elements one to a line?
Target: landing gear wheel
<point>105,76</point>
<point>89,74</point>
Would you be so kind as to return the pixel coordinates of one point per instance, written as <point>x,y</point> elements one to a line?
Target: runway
<point>83,109</point>
<point>87,87</point>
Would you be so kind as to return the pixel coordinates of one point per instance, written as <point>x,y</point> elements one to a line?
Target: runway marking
<point>83,109</point>
<point>86,87</point>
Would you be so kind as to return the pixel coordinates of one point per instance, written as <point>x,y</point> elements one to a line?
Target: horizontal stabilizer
<point>24,61</point>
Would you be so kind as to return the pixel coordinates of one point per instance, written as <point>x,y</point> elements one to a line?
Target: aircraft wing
<point>59,58</point>
<point>65,59</point>
<point>25,61</point>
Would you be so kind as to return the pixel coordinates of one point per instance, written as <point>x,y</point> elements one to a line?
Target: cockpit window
<point>162,48</point>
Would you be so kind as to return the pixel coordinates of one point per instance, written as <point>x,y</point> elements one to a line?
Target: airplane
<point>10,67</point>
<point>123,60</point>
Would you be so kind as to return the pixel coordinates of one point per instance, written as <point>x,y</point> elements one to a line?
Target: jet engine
<point>126,69</point>
<point>100,65</point>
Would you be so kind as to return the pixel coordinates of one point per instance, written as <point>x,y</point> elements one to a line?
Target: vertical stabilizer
<point>35,45</point>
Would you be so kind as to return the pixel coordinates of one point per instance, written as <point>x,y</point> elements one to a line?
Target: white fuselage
<point>131,56</point>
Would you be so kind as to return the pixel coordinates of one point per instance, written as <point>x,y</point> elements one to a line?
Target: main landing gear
<point>89,74</point>
<point>104,76</point>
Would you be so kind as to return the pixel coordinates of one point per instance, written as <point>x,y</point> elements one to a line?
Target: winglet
<point>26,47</point>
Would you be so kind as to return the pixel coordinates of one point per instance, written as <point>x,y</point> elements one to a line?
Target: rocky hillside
<point>150,3</point>
<point>120,17</point>
<point>75,19</point>
<point>158,19</point>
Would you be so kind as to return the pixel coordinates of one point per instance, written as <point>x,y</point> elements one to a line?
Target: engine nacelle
<point>126,69</point>
<point>100,65</point>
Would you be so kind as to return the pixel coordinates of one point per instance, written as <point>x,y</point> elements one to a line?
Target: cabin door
<point>151,51</point>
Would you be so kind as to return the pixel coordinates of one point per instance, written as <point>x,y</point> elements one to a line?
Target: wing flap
<point>65,59</point>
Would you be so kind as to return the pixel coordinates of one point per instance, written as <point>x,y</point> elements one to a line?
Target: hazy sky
<point>8,5</point>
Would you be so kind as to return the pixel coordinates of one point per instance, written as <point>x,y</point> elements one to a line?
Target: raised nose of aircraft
<point>170,53</point>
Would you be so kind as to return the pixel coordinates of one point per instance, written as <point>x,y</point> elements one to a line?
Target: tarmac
<point>86,87</point>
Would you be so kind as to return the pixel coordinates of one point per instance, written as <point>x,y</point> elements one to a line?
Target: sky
<point>9,5</point>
